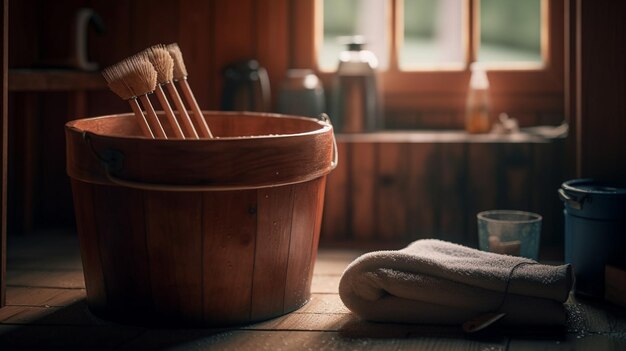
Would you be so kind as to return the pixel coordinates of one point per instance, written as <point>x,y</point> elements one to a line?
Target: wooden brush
<point>180,76</point>
<point>163,64</point>
<point>141,79</point>
<point>115,77</point>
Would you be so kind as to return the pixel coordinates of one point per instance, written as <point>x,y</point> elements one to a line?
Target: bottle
<point>477,107</point>
<point>356,103</point>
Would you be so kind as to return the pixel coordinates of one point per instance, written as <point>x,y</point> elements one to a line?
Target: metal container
<point>595,231</point>
<point>356,105</point>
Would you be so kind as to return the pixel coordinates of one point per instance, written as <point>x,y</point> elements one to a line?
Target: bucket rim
<point>325,126</point>
<point>600,188</point>
<point>531,216</point>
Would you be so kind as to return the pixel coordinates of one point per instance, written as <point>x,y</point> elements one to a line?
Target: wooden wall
<point>390,189</point>
<point>215,33</point>
<point>211,35</point>
<point>599,89</point>
<point>4,25</point>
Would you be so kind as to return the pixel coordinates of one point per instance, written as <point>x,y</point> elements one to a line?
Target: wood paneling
<point>4,126</point>
<point>363,201</point>
<point>196,23</point>
<point>601,79</point>
<point>406,186</point>
<point>392,181</point>
<point>211,34</point>
<point>422,191</point>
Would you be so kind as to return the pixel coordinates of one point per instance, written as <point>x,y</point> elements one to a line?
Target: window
<point>432,34</point>
<point>426,46</point>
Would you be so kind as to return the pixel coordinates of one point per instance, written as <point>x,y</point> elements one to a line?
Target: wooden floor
<point>46,310</point>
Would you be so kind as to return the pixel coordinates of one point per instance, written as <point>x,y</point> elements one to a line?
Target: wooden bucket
<point>199,232</point>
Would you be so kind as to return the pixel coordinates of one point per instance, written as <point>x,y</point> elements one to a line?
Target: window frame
<point>531,88</point>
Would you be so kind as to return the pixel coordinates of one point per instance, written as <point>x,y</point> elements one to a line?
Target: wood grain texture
<point>305,217</point>
<point>195,17</point>
<point>483,189</point>
<point>174,244</point>
<point>234,38</point>
<point>391,191</point>
<point>272,44</point>
<point>304,152</point>
<point>4,139</point>
<point>362,180</point>
<point>515,170</point>
<point>453,192</point>
<point>89,244</point>
<point>601,88</point>
<point>336,223</point>
<point>229,226</point>
<point>151,25</point>
<point>274,220</point>
<point>444,180</point>
<point>119,220</point>
<point>548,173</point>
<point>303,36</point>
<point>423,191</point>
<point>44,318</point>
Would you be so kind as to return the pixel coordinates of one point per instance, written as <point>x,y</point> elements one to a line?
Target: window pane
<point>433,34</point>
<point>353,17</point>
<point>510,30</point>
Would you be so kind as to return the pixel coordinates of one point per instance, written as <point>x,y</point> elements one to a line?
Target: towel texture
<point>437,282</point>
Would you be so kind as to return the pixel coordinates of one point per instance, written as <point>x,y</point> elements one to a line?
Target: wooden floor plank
<point>305,321</point>
<point>19,337</point>
<point>328,284</point>
<point>76,314</point>
<point>334,262</point>
<point>324,303</point>
<point>298,340</point>
<point>43,297</point>
<point>72,279</point>
<point>47,310</point>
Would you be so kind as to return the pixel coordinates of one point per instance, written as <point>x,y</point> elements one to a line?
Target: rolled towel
<point>437,282</point>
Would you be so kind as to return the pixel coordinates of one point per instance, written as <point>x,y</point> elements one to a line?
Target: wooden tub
<point>199,232</point>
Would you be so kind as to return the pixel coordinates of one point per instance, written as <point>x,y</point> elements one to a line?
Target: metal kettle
<point>246,87</point>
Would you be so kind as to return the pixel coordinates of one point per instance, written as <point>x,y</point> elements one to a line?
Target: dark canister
<point>595,231</point>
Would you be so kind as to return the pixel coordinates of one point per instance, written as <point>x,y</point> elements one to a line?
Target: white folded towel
<point>437,282</point>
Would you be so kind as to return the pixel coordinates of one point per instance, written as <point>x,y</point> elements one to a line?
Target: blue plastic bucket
<point>595,231</point>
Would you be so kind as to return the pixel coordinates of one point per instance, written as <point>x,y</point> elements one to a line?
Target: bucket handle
<point>324,117</point>
<point>571,201</point>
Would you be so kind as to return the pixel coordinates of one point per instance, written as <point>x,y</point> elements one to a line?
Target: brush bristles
<point>114,75</point>
<point>141,77</point>
<point>180,71</point>
<point>163,63</point>
<point>131,77</point>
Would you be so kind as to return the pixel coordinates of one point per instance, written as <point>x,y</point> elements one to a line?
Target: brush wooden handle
<point>178,133</point>
<point>188,127</point>
<point>141,119</point>
<point>153,120</point>
<point>205,132</point>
